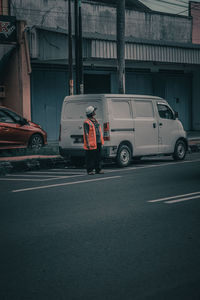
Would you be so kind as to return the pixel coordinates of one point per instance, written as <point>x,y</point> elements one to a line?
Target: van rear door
<point>146,127</point>
<point>73,117</point>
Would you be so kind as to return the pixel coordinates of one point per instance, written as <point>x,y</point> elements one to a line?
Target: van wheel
<point>179,150</point>
<point>124,156</point>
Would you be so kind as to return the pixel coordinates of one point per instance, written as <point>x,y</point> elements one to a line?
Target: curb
<point>194,145</point>
<point>30,163</point>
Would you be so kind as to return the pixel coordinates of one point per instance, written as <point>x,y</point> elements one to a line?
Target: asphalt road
<point>129,234</point>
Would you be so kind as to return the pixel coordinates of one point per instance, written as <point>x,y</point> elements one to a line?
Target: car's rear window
<point>5,118</point>
<point>13,115</point>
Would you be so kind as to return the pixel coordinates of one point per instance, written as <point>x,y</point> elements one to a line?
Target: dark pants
<point>93,159</point>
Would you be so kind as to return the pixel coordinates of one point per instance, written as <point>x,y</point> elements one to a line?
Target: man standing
<point>93,141</point>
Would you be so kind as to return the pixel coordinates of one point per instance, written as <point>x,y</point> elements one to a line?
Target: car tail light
<point>60,133</point>
<point>106,131</point>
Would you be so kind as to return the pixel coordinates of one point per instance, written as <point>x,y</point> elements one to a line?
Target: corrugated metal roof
<point>147,52</point>
<point>53,45</point>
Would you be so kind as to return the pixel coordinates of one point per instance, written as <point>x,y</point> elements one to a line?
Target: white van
<point>133,125</point>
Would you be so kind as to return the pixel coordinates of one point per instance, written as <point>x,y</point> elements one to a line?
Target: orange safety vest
<point>92,136</point>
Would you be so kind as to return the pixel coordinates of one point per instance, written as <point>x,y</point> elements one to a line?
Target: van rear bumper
<point>107,152</point>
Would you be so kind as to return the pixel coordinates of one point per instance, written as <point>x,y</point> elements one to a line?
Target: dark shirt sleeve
<point>86,128</point>
<point>86,131</point>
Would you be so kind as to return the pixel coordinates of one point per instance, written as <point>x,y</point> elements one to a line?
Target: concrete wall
<point>11,81</point>
<point>157,27</point>
<point>101,19</point>
<point>17,78</point>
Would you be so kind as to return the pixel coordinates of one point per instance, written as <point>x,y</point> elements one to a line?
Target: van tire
<point>123,156</point>
<point>179,150</point>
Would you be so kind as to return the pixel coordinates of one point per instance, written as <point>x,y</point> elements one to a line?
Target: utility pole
<point>76,18</point>
<point>80,51</point>
<point>70,58</point>
<point>121,45</point>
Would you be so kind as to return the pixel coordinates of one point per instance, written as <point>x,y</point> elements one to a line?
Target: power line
<point>57,11</point>
<point>36,11</point>
<point>162,7</point>
<point>194,8</point>
<point>166,2</point>
<point>170,3</point>
<point>61,11</point>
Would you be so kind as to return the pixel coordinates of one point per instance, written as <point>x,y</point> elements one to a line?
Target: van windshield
<point>76,110</point>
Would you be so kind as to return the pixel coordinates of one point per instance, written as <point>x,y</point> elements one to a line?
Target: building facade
<point>161,57</point>
<point>194,12</point>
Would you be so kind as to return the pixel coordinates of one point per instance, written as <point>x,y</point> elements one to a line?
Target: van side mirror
<point>176,115</point>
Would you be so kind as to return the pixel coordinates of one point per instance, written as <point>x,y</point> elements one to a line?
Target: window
<point>165,112</point>
<point>76,110</point>
<point>4,118</point>
<point>143,109</point>
<point>13,115</point>
<point>120,109</point>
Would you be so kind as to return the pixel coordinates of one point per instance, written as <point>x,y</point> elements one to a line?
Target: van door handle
<point>160,124</point>
<point>154,125</point>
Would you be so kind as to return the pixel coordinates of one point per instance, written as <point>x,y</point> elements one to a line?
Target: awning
<point>136,51</point>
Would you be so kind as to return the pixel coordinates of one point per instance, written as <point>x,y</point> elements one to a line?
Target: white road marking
<point>47,179</point>
<point>62,177</point>
<point>59,173</point>
<point>33,175</point>
<point>21,179</point>
<point>63,184</point>
<point>71,169</point>
<point>179,198</point>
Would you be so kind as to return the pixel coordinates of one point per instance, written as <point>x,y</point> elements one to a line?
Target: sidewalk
<point>194,140</point>
<point>25,159</point>
<point>48,157</point>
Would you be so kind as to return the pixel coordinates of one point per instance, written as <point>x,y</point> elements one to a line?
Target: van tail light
<point>106,131</point>
<point>60,133</point>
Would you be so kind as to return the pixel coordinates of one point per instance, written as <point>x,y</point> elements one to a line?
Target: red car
<point>17,132</point>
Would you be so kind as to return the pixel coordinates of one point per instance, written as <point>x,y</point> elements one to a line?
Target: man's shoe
<point>100,172</point>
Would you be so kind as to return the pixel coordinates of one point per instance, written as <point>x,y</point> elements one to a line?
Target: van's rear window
<point>76,110</point>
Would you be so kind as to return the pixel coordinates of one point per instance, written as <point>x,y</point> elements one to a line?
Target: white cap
<point>90,110</point>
